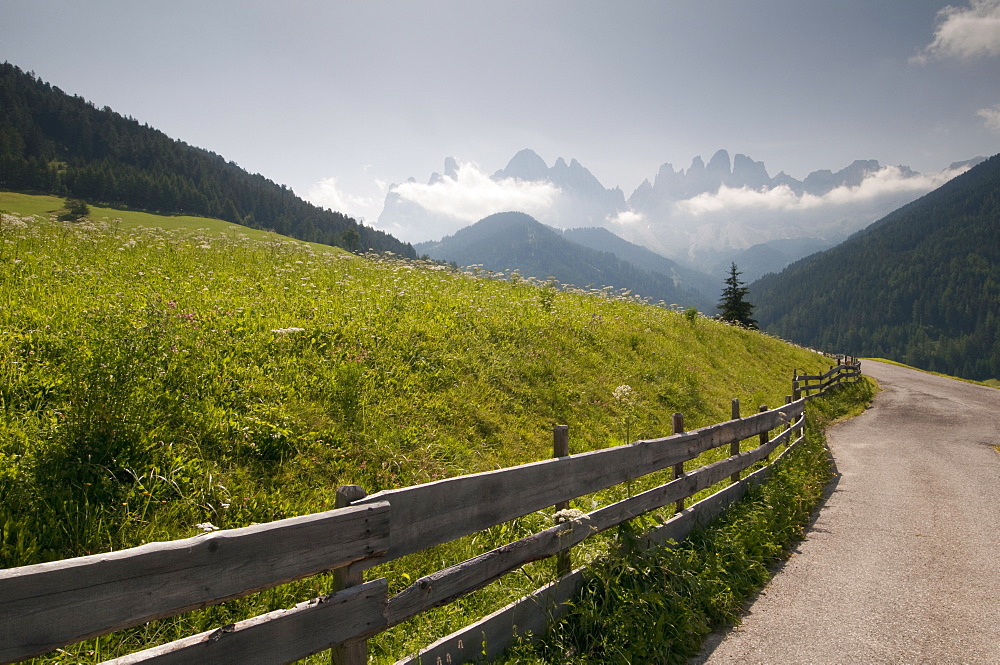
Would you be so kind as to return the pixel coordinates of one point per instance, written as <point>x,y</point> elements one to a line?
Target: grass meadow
<point>164,375</point>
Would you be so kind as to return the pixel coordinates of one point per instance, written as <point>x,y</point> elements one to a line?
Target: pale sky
<point>338,99</point>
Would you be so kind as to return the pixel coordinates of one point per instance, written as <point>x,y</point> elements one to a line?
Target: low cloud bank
<point>627,218</point>
<point>889,180</point>
<point>728,217</point>
<point>470,195</point>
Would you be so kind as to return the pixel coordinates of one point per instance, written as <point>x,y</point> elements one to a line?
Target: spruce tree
<point>733,306</point>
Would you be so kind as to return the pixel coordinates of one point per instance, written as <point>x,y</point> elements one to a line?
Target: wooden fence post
<point>734,447</point>
<point>788,442</point>
<point>354,652</point>
<point>795,385</point>
<point>765,436</point>
<point>560,448</point>
<point>678,423</point>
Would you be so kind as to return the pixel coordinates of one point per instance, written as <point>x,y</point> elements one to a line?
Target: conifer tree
<point>733,307</point>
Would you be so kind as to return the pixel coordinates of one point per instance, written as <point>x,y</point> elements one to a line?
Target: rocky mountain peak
<point>719,166</point>
<point>525,165</point>
<point>748,173</point>
<point>451,167</point>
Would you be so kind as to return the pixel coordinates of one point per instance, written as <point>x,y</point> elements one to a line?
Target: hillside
<point>158,379</point>
<point>56,144</point>
<point>603,240</point>
<point>515,241</point>
<point>771,256</point>
<point>921,286</point>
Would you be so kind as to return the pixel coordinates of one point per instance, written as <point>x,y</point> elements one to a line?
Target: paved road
<point>902,564</point>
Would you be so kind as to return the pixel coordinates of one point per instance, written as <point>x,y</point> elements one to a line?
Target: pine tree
<point>733,306</point>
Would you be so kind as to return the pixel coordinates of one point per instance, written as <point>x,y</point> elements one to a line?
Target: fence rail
<point>46,606</point>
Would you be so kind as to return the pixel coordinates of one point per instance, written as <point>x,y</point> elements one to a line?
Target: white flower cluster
<point>14,221</point>
<point>567,514</point>
<point>285,331</point>
<point>206,527</point>
<point>623,393</point>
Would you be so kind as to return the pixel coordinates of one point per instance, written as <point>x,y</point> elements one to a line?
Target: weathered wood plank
<point>455,581</point>
<point>706,510</point>
<point>438,512</point>
<point>52,604</point>
<point>497,632</point>
<point>283,636</point>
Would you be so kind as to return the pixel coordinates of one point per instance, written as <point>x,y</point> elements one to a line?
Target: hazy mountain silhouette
<point>705,216</point>
<point>509,241</point>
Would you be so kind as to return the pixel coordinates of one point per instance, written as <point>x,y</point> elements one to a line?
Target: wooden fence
<point>848,367</point>
<point>49,605</point>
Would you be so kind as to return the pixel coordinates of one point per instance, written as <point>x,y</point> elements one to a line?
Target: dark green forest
<point>54,143</point>
<point>920,286</point>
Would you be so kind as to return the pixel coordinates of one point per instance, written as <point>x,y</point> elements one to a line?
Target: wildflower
<point>567,514</point>
<point>626,398</point>
<point>206,527</point>
<point>623,393</point>
<point>285,331</point>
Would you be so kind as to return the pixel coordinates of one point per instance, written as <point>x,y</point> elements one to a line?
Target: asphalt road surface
<point>902,564</point>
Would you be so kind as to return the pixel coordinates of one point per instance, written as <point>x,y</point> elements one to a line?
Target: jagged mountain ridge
<point>672,216</point>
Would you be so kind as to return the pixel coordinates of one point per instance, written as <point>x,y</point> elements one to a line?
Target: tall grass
<point>157,378</point>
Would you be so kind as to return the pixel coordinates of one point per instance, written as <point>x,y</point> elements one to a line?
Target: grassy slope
<point>157,373</point>
<point>30,204</point>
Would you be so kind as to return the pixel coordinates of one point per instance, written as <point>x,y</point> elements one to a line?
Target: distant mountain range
<point>710,214</point>
<point>921,285</point>
<point>514,241</point>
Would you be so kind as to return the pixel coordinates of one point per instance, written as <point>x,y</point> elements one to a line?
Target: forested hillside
<point>509,241</point>
<point>54,143</point>
<point>603,240</point>
<point>921,286</point>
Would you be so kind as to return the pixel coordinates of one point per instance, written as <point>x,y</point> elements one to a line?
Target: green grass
<point>159,372</point>
<point>32,204</point>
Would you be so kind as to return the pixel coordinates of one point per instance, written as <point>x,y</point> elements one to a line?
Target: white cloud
<point>965,32</point>
<point>627,218</point>
<point>991,116</point>
<point>887,181</point>
<point>472,195</point>
<point>729,198</point>
<point>327,194</point>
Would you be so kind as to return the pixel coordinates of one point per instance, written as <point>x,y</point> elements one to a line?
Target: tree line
<point>54,143</point>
